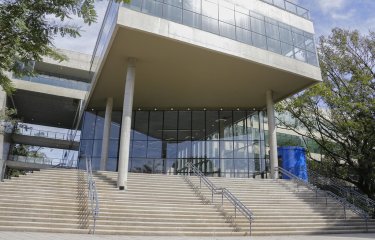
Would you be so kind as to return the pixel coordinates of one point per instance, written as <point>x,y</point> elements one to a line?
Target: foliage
<point>27,28</point>
<point>339,113</point>
<point>27,151</point>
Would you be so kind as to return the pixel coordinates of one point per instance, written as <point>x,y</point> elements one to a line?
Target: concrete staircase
<point>280,208</point>
<point>45,201</point>
<point>55,200</point>
<point>155,205</point>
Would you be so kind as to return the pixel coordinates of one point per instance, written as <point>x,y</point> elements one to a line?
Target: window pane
<point>273,45</point>
<point>311,58</point>
<point>279,3</point>
<point>240,149</point>
<point>242,21</point>
<point>177,3</point>
<point>212,149</point>
<point>198,125</point>
<point>139,148</point>
<point>154,149</point>
<point>227,30</point>
<point>192,5</point>
<point>286,35</point>
<point>239,125</point>
<point>192,19</point>
<point>298,40</point>
<point>226,15</point>
<point>198,149</point>
<point>142,165</point>
<point>141,125</point>
<point>184,150</point>
<point>170,149</point>
<point>212,125</point>
<point>135,4</point>
<point>88,126</point>
<point>99,125</point>
<point>259,41</point>
<point>172,13</point>
<point>226,149</point>
<point>287,50</point>
<point>291,7</point>
<point>257,26</point>
<point>243,36</point>
<point>226,127</point>
<point>170,126</point>
<point>210,9</point>
<point>253,149</point>
<point>210,25</point>
<point>184,125</point>
<point>253,126</point>
<point>300,54</point>
<point>156,126</point>
<point>241,167</point>
<point>228,168</point>
<point>153,8</point>
<point>272,31</point>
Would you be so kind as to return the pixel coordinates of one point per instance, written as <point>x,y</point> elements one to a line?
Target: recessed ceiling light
<point>155,109</point>
<point>171,109</point>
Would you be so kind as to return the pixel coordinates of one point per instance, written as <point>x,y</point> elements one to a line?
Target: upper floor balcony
<point>203,53</point>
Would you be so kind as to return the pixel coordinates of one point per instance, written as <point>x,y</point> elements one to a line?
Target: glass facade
<point>224,18</point>
<point>222,143</point>
<point>57,81</point>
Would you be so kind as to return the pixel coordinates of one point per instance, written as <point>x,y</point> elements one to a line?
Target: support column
<point>106,134</point>
<point>272,134</point>
<point>126,126</point>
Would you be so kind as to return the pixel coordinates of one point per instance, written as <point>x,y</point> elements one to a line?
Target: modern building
<point>179,80</point>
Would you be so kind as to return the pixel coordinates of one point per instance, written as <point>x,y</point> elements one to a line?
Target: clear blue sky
<point>326,14</point>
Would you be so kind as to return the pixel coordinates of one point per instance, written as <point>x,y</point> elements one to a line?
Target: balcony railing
<point>56,81</point>
<point>53,162</point>
<point>48,134</point>
<point>235,22</point>
<point>290,7</point>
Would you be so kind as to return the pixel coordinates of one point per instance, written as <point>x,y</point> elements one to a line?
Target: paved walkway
<point>57,236</point>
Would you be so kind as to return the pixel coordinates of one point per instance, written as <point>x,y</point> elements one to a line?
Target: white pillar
<point>126,126</point>
<point>272,135</point>
<point>106,134</point>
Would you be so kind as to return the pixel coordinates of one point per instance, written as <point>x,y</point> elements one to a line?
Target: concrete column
<point>126,126</point>
<point>2,169</point>
<point>106,133</point>
<point>272,134</point>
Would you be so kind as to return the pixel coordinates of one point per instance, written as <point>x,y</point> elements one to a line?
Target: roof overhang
<point>179,66</point>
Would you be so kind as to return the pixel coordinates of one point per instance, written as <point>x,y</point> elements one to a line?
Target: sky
<point>326,14</point>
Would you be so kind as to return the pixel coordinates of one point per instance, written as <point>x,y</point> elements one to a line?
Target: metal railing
<point>357,199</point>
<point>290,7</point>
<point>236,22</point>
<point>326,193</point>
<point>92,193</point>
<point>70,136</point>
<point>53,162</point>
<point>238,205</point>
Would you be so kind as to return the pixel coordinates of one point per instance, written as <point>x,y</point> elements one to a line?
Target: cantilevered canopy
<point>181,67</point>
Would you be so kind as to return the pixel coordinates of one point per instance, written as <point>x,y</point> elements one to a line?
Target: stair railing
<point>340,200</point>
<point>359,200</point>
<point>92,193</point>
<point>238,205</point>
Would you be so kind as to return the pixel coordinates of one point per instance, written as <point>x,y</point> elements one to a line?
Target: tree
<point>339,113</point>
<point>27,28</point>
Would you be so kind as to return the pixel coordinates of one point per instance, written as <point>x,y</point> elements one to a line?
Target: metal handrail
<point>238,205</point>
<point>340,200</point>
<point>92,193</point>
<point>357,199</point>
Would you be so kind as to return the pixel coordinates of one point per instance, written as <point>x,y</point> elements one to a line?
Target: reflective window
<point>220,143</point>
<point>235,22</point>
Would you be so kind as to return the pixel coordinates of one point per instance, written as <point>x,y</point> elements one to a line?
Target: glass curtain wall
<point>220,143</point>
